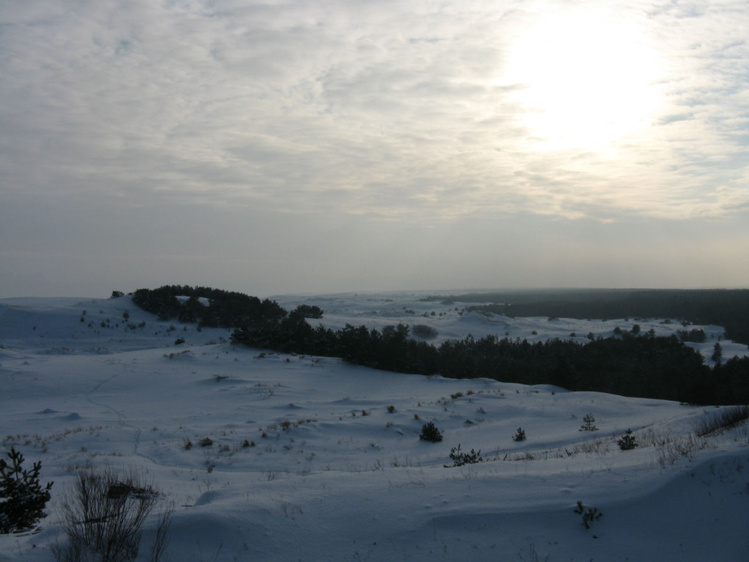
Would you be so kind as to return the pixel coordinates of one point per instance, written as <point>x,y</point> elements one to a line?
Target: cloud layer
<point>284,133</point>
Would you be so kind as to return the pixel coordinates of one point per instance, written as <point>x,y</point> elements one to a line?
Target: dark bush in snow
<point>429,432</point>
<point>628,441</point>
<point>22,497</point>
<point>461,458</point>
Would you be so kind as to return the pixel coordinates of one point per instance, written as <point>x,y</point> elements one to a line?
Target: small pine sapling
<point>590,423</point>
<point>519,435</point>
<point>22,497</point>
<point>429,432</point>
<point>460,458</point>
<point>628,441</point>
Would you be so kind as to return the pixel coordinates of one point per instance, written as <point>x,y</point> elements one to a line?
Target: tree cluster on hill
<point>694,335</point>
<point>632,365</point>
<point>629,364</point>
<point>227,309</point>
<point>725,307</point>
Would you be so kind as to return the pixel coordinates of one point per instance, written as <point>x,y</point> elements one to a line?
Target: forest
<point>728,308</point>
<point>228,309</point>
<point>628,364</point>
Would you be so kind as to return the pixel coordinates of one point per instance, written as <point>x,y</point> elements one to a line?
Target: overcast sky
<point>293,146</point>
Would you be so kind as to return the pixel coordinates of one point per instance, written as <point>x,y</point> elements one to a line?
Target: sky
<point>275,147</point>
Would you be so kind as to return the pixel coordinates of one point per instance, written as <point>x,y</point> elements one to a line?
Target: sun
<point>583,79</point>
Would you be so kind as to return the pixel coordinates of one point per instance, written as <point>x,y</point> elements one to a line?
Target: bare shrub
<point>722,419</point>
<point>533,555</point>
<point>593,447</point>
<point>103,517</point>
<point>670,449</point>
<point>161,538</point>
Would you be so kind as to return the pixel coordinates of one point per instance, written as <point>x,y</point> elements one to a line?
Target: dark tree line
<point>629,364</point>
<point>227,309</point>
<point>725,307</point>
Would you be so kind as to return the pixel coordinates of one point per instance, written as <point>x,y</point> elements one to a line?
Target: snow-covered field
<point>313,459</point>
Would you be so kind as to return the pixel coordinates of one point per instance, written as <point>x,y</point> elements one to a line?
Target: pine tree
<point>590,423</point>
<point>22,497</point>
<point>429,432</point>
<point>628,441</point>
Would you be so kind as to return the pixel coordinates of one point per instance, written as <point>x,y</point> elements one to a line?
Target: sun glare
<point>584,78</point>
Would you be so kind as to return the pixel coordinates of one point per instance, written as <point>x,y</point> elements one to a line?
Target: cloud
<point>264,99</point>
<point>355,114</point>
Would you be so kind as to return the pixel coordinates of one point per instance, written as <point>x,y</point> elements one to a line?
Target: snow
<point>330,473</point>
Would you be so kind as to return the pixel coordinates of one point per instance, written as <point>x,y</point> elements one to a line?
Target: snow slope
<point>308,462</point>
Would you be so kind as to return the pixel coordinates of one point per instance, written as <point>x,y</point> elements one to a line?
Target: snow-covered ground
<point>313,459</point>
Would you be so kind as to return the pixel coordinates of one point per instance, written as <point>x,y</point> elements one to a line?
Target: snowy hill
<point>279,457</point>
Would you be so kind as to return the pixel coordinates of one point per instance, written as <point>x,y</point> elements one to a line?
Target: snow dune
<point>313,459</point>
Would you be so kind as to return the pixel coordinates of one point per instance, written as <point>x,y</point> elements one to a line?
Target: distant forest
<point>228,309</point>
<point>728,308</point>
<point>629,364</point>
